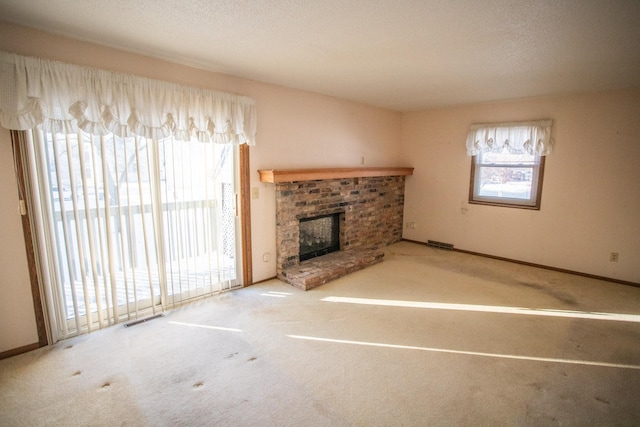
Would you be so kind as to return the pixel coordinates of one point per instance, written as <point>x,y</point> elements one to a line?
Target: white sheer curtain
<point>133,208</point>
<point>63,98</point>
<point>533,137</point>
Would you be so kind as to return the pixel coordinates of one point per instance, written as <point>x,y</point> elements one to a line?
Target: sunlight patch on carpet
<point>195,325</point>
<point>276,294</point>
<point>619,317</point>
<point>470,353</point>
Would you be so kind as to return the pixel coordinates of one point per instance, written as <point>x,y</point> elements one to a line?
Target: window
<point>131,207</point>
<point>506,179</point>
<point>508,163</point>
<point>133,226</point>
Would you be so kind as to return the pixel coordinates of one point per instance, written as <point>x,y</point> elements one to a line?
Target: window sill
<point>504,205</point>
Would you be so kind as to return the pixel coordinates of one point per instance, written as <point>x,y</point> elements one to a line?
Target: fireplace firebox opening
<point>319,236</point>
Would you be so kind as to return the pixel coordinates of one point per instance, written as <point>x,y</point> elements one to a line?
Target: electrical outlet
<point>255,192</point>
<point>613,257</point>
<point>410,225</point>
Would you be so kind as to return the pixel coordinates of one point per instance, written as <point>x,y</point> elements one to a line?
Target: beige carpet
<point>513,345</point>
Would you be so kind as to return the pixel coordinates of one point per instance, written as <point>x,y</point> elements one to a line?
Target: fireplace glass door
<point>319,236</point>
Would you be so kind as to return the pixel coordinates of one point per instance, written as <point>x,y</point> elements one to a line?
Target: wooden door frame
<point>245,215</point>
<point>18,139</point>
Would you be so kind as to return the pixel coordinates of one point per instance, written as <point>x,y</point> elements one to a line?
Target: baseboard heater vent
<point>440,245</point>
<point>146,319</point>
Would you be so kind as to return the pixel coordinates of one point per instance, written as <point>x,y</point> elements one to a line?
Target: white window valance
<point>532,137</point>
<point>59,97</point>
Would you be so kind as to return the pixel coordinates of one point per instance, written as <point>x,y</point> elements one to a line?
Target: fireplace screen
<point>319,236</point>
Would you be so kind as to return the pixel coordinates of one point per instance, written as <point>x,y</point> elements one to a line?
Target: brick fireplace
<point>368,203</point>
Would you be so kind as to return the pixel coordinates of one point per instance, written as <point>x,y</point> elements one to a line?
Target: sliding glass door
<point>132,226</point>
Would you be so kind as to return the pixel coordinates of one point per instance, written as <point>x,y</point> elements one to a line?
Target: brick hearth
<point>371,209</point>
<point>320,270</point>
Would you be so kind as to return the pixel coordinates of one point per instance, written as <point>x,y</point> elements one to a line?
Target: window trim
<point>538,177</point>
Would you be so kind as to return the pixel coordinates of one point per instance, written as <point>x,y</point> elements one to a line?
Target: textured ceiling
<point>398,54</point>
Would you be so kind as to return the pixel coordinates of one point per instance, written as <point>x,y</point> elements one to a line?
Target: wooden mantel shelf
<point>290,175</point>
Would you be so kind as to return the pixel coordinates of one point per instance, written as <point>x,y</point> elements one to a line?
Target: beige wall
<point>591,197</point>
<point>295,128</point>
<point>591,192</point>
<point>17,318</point>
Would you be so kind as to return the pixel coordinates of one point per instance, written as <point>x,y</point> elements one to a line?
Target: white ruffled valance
<point>518,137</point>
<point>59,97</point>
